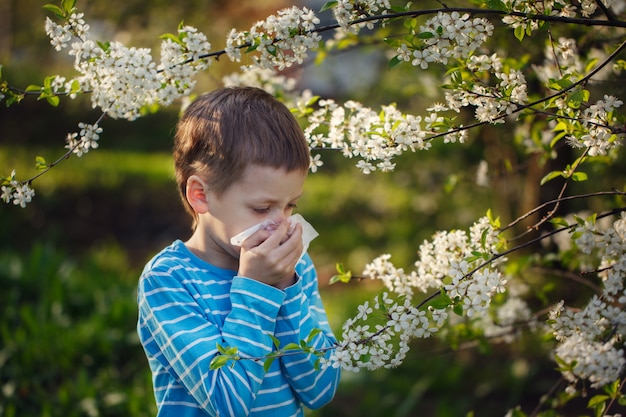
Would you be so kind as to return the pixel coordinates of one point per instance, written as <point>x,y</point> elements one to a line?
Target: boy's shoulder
<point>177,259</point>
<point>172,255</point>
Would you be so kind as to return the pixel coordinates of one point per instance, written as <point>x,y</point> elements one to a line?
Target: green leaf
<point>253,47</point>
<point>458,309</point>
<point>75,87</point>
<point>598,404</point>
<point>598,399</point>
<point>425,35</point>
<point>494,222</point>
<point>342,276</point>
<point>592,63</point>
<point>328,5</point>
<point>173,38</point>
<point>556,139</point>
<point>442,302</point>
<point>218,362</point>
<point>496,5</point>
<point>559,221</point>
<point>53,100</point>
<point>54,9</point>
<point>579,176</point>
<point>519,32</point>
<point>456,77</point>
<point>268,363</point>
<point>613,388</point>
<point>314,332</point>
<point>34,87</point>
<point>559,84</point>
<point>394,62</point>
<point>398,9</point>
<point>40,163</point>
<point>451,183</point>
<point>275,340</point>
<point>550,176</point>
<point>105,46</point>
<point>291,346</point>
<point>577,98</point>
<point>68,6</point>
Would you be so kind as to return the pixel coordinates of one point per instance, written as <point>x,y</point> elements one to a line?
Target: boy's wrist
<point>288,282</point>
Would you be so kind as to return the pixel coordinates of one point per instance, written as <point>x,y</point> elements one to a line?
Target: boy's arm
<point>302,312</point>
<point>185,340</point>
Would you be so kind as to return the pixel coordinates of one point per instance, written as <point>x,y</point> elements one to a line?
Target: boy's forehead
<point>257,179</point>
<point>254,171</point>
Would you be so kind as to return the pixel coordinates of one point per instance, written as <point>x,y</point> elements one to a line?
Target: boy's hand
<point>271,256</point>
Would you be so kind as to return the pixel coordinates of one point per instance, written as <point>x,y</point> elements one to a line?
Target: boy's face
<point>262,193</point>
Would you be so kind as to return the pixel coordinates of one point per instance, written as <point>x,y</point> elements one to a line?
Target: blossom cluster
<point>385,344</point>
<point>561,8</point>
<point>347,11</point>
<point>567,64</point>
<point>279,41</point>
<point>450,36</point>
<point>591,339</point>
<point>373,137</point>
<point>509,317</point>
<point>500,92</point>
<point>444,263</point>
<point>81,143</point>
<point>596,120</point>
<point>474,289</point>
<point>438,259</point>
<point>449,248</point>
<point>123,80</point>
<point>18,193</point>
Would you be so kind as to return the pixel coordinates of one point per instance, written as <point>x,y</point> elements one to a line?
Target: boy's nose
<point>279,216</point>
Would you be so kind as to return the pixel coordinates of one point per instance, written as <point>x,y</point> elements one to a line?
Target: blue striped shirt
<point>187,307</point>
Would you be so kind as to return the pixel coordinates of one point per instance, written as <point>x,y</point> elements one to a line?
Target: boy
<point>240,159</point>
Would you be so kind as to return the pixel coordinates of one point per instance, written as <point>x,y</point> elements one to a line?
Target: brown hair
<point>224,131</point>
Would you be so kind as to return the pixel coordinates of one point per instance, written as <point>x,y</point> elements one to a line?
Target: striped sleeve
<point>185,338</point>
<point>301,312</point>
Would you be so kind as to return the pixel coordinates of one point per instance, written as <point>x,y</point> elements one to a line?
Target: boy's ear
<point>196,193</point>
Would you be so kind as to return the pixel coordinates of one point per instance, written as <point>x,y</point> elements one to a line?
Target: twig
<point>557,201</point>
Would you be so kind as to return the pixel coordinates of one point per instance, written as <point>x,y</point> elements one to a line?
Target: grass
<point>98,168</point>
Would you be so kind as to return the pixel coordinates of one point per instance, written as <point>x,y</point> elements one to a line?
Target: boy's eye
<point>261,210</point>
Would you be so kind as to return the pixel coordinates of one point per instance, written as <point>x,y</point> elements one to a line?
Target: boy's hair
<point>224,131</point>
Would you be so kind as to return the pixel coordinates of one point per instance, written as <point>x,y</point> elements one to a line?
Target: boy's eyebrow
<point>273,200</point>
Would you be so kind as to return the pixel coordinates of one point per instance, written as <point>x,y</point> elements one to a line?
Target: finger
<point>290,231</point>
<point>278,235</point>
<point>292,246</point>
<point>256,239</point>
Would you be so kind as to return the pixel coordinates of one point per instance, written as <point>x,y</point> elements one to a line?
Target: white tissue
<point>308,232</point>
<point>238,239</point>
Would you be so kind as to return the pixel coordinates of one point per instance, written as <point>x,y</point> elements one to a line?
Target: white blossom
<point>345,13</point>
<point>20,194</point>
<point>279,41</point>
<point>453,36</point>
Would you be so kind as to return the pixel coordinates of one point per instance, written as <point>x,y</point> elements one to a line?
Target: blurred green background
<point>69,261</point>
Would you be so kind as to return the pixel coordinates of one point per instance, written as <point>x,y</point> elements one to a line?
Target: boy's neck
<point>209,251</point>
